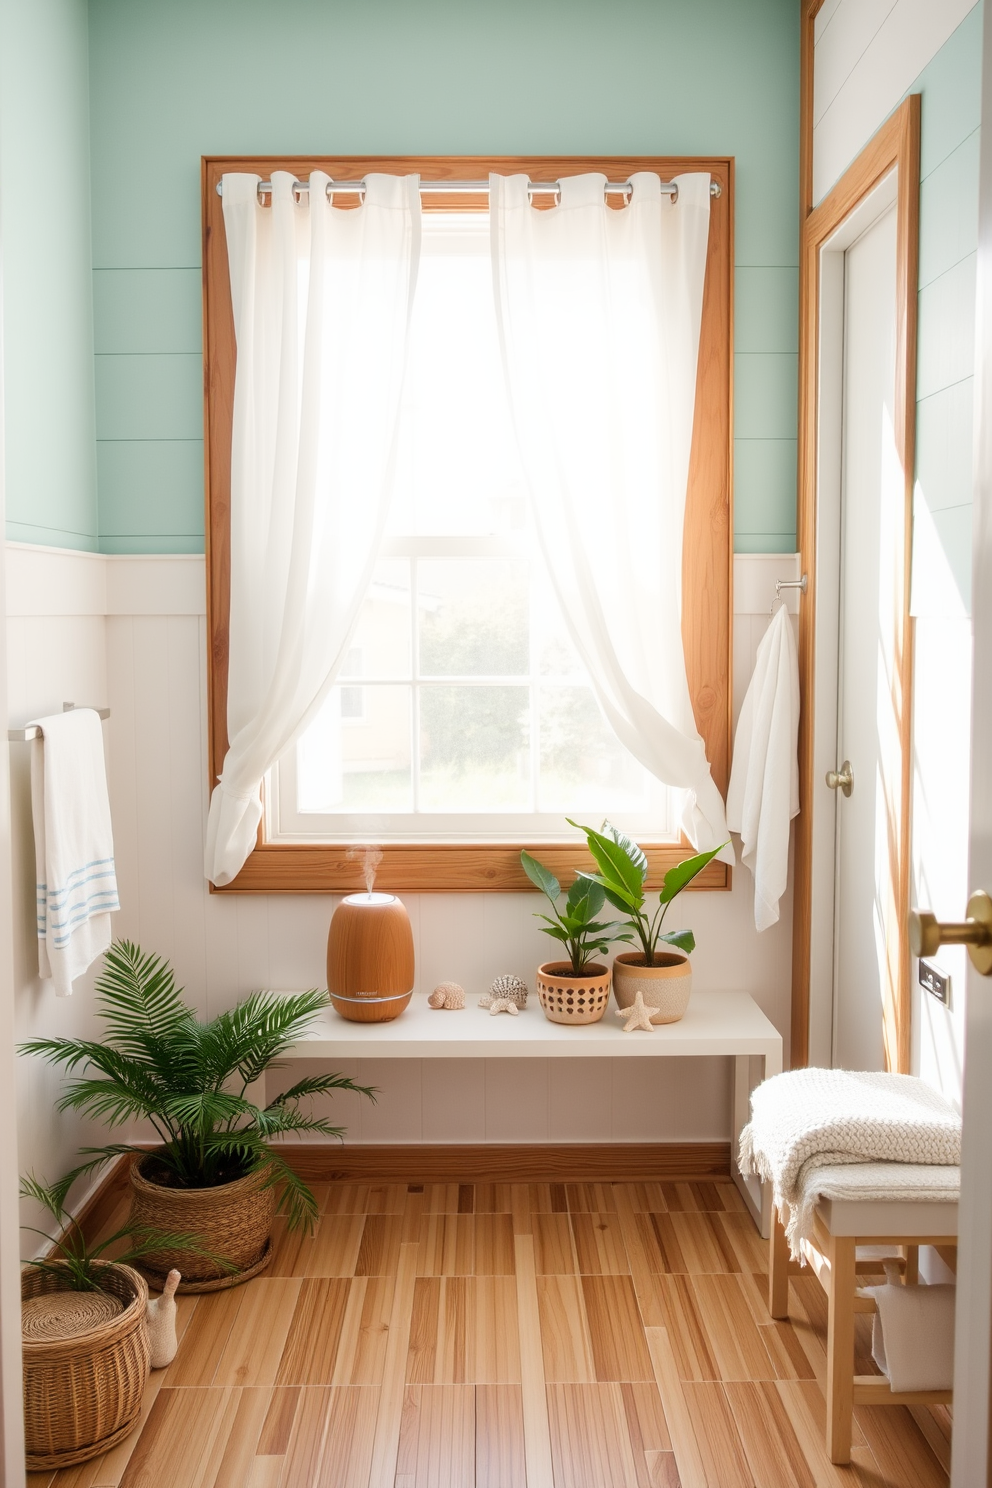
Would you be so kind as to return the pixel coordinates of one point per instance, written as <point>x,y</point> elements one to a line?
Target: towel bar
<point>20,736</point>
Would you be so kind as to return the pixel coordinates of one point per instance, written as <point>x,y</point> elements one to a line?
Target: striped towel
<point>73,845</point>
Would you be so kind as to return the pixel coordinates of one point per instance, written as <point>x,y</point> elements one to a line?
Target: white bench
<point>716,1023</point>
<point>840,1227</point>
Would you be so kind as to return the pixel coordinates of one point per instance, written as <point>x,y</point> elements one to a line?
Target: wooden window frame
<point>707,564</point>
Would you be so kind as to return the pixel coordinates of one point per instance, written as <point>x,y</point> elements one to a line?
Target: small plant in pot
<point>660,968</point>
<point>214,1173</point>
<point>84,1341</point>
<point>576,990</point>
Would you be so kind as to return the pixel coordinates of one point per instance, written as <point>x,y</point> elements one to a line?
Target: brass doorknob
<point>842,779</point>
<point>927,933</point>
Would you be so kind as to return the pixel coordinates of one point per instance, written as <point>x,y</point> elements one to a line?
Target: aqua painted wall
<point>50,454</point>
<point>171,80</point>
<point>951,115</point>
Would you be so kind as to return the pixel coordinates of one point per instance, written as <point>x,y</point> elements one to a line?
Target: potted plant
<point>576,990</point>
<point>664,977</point>
<point>213,1173</point>
<point>85,1344</point>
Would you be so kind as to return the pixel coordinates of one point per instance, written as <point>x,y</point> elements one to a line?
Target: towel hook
<point>781,584</point>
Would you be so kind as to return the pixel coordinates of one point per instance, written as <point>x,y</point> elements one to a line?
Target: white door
<point>871,495</point>
<point>970,1464</point>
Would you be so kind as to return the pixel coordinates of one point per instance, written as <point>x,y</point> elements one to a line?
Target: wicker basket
<point>83,1389</point>
<point>566,998</point>
<point>232,1220</point>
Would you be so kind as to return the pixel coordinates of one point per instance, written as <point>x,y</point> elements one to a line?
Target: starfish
<point>638,1015</point>
<point>503,1005</point>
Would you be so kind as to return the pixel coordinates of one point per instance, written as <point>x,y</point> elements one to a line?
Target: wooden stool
<point>839,1227</point>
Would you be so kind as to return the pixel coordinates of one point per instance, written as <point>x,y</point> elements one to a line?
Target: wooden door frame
<point>895,146</point>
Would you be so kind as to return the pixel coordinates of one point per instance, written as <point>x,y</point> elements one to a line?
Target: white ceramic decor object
<point>161,1316</point>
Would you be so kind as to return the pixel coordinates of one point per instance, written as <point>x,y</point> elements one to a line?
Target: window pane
<point>583,765</point>
<point>347,763</point>
<point>473,617</point>
<point>381,644</point>
<point>474,749</point>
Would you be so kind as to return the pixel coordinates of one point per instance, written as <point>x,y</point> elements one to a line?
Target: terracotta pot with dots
<point>567,998</point>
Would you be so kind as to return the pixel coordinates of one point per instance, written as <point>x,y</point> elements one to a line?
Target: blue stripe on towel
<point>58,917</point>
<point>86,912</point>
<point>78,876</point>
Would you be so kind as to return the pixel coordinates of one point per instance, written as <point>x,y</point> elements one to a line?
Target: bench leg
<point>840,1348</point>
<point>911,1272</point>
<point>778,1268</point>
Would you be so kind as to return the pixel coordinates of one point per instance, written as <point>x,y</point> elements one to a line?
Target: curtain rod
<point>469,188</point>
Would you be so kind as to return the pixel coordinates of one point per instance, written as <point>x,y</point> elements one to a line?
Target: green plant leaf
<point>615,893</point>
<point>684,940</point>
<point>683,873</point>
<point>636,854</point>
<point>619,872</point>
<point>540,876</point>
<point>585,898</point>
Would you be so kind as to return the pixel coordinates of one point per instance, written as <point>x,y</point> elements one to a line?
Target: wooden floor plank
<point>390,1404</point>
<point>256,1341</point>
<point>599,1246</point>
<point>737,1343</point>
<point>564,1330</point>
<point>311,1347</point>
<point>537,1432</point>
<point>365,1331</point>
<point>437,1437</point>
<point>499,1437</point>
<point>335,1246</point>
<point>771,1446</point>
<point>511,1336</point>
<point>618,1346</point>
<point>590,1445</point>
<point>554,1248</point>
<point>725,1463</point>
<point>688,1458</point>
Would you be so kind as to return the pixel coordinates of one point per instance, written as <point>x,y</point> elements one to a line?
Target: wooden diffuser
<point>370,958</point>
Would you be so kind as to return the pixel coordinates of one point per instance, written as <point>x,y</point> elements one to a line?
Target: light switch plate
<point>935,981</point>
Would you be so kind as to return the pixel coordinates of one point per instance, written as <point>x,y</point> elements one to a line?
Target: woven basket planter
<point>85,1365</point>
<point>570,999</point>
<point>233,1220</point>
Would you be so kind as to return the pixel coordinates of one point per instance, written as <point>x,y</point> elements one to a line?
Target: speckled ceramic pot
<point>665,985</point>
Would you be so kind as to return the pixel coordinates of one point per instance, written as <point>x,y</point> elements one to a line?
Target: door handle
<point>842,779</point>
<point>927,933</point>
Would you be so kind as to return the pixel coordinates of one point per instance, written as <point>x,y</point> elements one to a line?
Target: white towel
<point>73,845</point>
<point>912,1338</point>
<point>764,780</point>
<point>814,1118</point>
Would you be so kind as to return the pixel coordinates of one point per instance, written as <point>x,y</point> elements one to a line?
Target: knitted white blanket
<point>816,1118</point>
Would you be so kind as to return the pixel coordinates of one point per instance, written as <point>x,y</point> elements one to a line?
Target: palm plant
<point>73,1259</point>
<point>190,1080</point>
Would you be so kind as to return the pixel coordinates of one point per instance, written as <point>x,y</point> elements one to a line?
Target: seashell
<point>447,995</point>
<point>506,986</point>
<point>503,1005</point>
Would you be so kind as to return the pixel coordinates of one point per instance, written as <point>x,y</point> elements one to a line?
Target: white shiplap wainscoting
<point>867,54</point>
<point>129,633</point>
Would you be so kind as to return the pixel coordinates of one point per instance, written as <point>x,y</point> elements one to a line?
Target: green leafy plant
<point>190,1080</point>
<point>623,869</point>
<point>73,1259</point>
<point>577,927</point>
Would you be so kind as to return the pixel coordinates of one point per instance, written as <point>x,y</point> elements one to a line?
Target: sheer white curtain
<point>322,302</point>
<point>599,313</point>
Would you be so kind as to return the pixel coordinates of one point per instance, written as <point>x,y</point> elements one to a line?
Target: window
<point>473,729</point>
